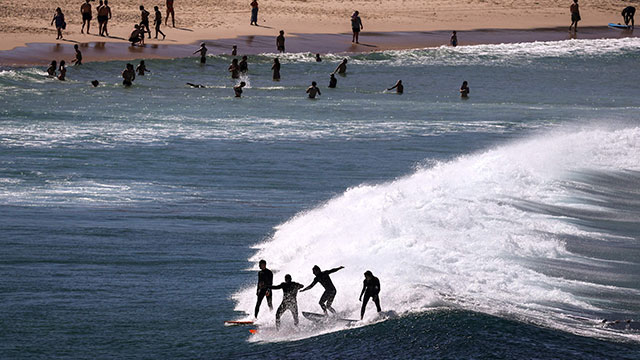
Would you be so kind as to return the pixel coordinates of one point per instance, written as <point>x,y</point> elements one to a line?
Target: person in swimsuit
<point>318,58</point>
<point>129,75</point>
<point>51,70</point>
<point>203,53</point>
<point>370,290</point>
<point>158,21</point>
<point>289,299</point>
<point>265,276</point>
<point>356,26</point>
<point>333,81</point>
<point>137,36</point>
<point>280,41</point>
<point>342,68</point>
<point>254,12</point>
<point>58,18</point>
<point>464,90</point>
<point>142,68</point>
<point>627,15</point>
<point>238,89</point>
<point>276,69</point>
<point>144,21</point>
<point>454,39</point>
<point>243,66</point>
<point>323,278</point>
<point>78,59</point>
<point>85,10</point>
<point>62,71</point>
<point>398,86</point>
<point>170,11</point>
<point>100,18</point>
<point>234,69</point>
<point>105,12</point>
<point>575,15</point>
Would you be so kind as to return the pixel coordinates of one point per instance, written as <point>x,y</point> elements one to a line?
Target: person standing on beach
<point>342,68</point>
<point>356,26</point>
<point>280,41</point>
<point>234,69</point>
<point>265,276</point>
<point>370,289</point>
<point>100,19</point>
<point>158,21</point>
<point>464,90</point>
<point>85,10</point>
<point>78,59</point>
<point>333,81</point>
<point>128,75</point>
<point>254,12</point>
<point>144,21</point>
<point>238,90</point>
<point>203,53</point>
<point>243,66</point>
<point>170,11</point>
<point>627,15</point>
<point>276,69</point>
<point>58,18</point>
<point>62,76</point>
<point>398,86</point>
<point>575,15</point>
<point>454,39</point>
<point>289,299</point>
<point>104,13</point>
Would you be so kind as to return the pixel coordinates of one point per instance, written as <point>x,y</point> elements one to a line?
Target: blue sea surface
<point>504,226</point>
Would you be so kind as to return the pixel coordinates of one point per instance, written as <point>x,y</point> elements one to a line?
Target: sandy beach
<point>387,25</point>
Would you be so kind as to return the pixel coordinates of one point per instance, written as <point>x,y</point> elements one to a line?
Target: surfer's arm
<point>334,270</point>
<point>315,281</point>
<point>276,287</point>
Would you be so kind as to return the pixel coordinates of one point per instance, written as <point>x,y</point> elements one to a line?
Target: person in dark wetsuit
<point>370,289</point>
<point>265,280</point>
<point>329,294</point>
<point>627,15</point>
<point>289,300</point>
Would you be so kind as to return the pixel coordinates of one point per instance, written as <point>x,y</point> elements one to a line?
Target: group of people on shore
<point>370,291</point>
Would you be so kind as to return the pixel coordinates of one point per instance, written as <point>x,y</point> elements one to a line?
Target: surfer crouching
<point>289,299</point>
<point>329,294</point>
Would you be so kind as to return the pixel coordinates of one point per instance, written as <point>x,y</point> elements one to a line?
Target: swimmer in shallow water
<point>454,39</point>
<point>142,68</point>
<point>333,81</point>
<point>398,86</point>
<point>313,90</point>
<point>128,75</point>
<point>276,69</point>
<point>62,71</point>
<point>78,59</point>
<point>464,90</point>
<point>203,53</point>
<point>95,83</point>
<point>234,69</point>
<point>342,68</point>
<point>51,70</point>
<point>238,89</point>
<point>196,85</point>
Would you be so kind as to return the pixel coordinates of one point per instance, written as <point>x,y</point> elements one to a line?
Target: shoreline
<point>32,54</point>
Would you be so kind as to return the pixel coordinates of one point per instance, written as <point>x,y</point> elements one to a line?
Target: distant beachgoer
<point>170,11</point>
<point>289,299</point>
<point>238,89</point>
<point>104,13</point>
<point>100,18</point>
<point>243,66</point>
<point>356,26</point>
<point>203,53</point>
<point>254,13</point>
<point>144,21</point>
<point>454,39</point>
<point>51,70</point>
<point>62,70</point>
<point>78,59</point>
<point>370,289</point>
<point>234,50</point>
<point>318,58</point>
<point>137,36</point>
<point>196,85</point>
<point>58,18</point>
<point>333,81</point>
<point>464,90</point>
<point>342,68</point>
<point>575,15</point>
<point>312,91</point>
<point>142,68</point>
<point>280,41</point>
<point>265,280</point>
<point>95,83</point>
<point>398,86</point>
<point>234,69</point>
<point>276,69</point>
<point>627,15</point>
<point>158,21</point>
<point>129,75</point>
<point>85,10</point>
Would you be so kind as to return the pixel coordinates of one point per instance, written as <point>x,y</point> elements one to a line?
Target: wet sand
<point>43,53</point>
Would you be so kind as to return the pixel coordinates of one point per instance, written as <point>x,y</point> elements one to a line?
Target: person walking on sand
<point>280,41</point>
<point>454,39</point>
<point>464,90</point>
<point>276,69</point>
<point>170,11</point>
<point>333,81</point>
<point>144,21</point>
<point>128,75</point>
<point>104,13</point>
<point>203,53</point>
<point>62,71</point>
<point>323,278</point>
<point>85,10</point>
<point>254,13</point>
<point>289,299</point>
<point>78,59</point>
<point>158,21</point>
<point>342,68</point>
<point>265,277</point>
<point>575,15</point>
<point>627,15</point>
<point>142,68</point>
<point>356,26</point>
<point>234,69</point>
<point>238,90</point>
<point>398,86</point>
<point>370,290</point>
<point>58,18</point>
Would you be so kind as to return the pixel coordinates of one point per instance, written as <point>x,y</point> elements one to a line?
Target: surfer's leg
<point>294,311</point>
<point>376,300</point>
<point>269,300</point>
<point>330,298</point>
<point>261,295</point>
<point>364,305</point>
<point>323,299</point>
<point>279,313</point>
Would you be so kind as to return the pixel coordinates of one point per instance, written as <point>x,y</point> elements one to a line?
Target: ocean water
<point>502,226</point>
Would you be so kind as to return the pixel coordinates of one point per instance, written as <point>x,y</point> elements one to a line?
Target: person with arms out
<point>203,53</point>
<point>158,21</point>
<point>356,26</point>
<point>342,68</point>
<point>105,13</point>
<point>289,299</point>
<point>323,278</point>
<point>454,39</point>
<point>265,276</point>
<point>170,11</point>
<point>58,18</point>
<point>276,69</point>
<point>254,12</point>
<point>78,59</point>
<point>333,81</point>
<point>464,90</point>
<point>575,15</point>
<point>627,15</point>
<point>142,68</point>
<point>144,21</point>
<point>370,290</point>
<point>280,41</point>
<point>85,10</point>
<point>398,86</point>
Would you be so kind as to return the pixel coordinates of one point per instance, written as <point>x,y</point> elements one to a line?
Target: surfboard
<point>319,318</point>
<point>619,26</point>
<point>237,323</point>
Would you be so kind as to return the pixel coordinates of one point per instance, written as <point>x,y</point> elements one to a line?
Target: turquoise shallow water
<point>503,226</point>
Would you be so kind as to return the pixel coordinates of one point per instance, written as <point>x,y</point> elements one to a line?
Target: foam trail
<point>455,233</point>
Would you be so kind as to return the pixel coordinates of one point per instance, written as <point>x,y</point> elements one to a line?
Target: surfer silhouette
<point>289,299</point>
<point>265,280</point>
<point>370,289</point>
<point>329,294</point>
